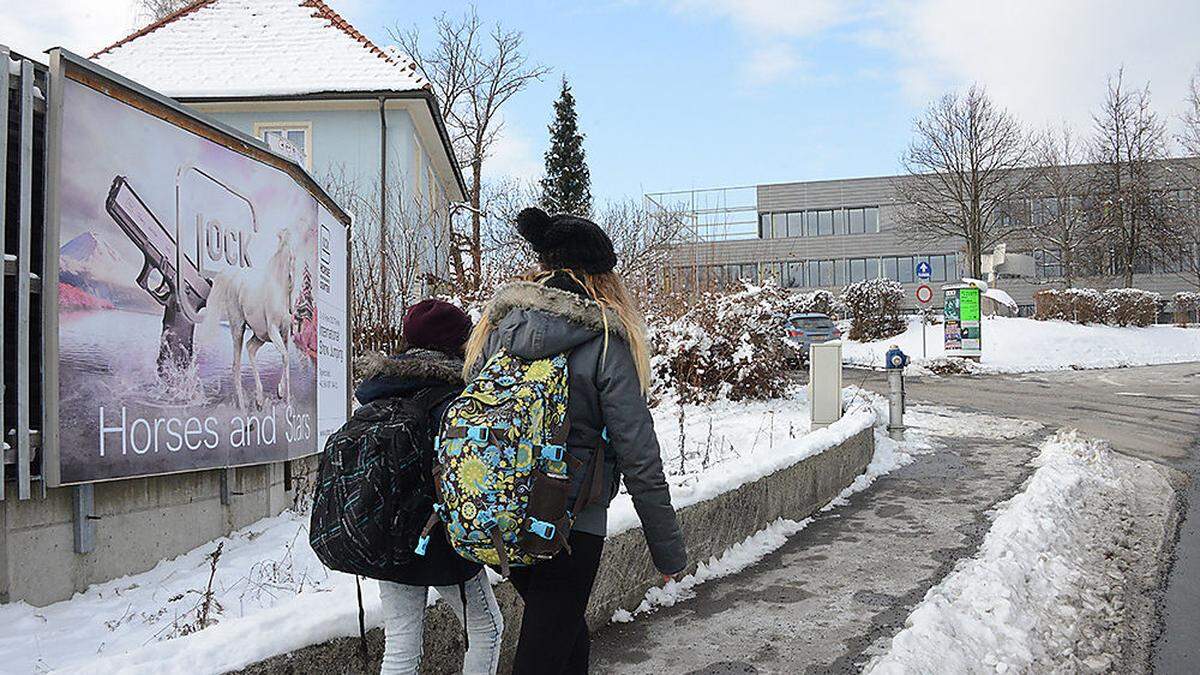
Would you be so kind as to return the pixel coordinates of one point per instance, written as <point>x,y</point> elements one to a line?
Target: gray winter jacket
<point>533,321</point>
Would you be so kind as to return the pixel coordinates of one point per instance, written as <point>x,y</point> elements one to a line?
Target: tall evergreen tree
<point>567,187</point>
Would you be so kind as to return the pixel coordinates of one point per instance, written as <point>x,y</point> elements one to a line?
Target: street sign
<point>924,294</point>
<point>924,272</point>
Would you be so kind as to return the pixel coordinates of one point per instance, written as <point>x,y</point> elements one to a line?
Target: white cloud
<point>513,155</point>
<point>771,63</point>
<point>772,18</point>
<point>1046,61</point>
<point>773,26</point>
<point>82,27</point>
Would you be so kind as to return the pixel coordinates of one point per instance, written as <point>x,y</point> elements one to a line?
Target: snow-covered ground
<point>1043,592</point>
<point>270,595</point>
<point>1012,345</point>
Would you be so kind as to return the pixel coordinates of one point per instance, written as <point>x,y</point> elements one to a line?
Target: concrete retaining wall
<point>710,527</point>
<point>140,522</point>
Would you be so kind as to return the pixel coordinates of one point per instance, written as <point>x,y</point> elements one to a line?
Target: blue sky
<point>704,93</point>
<point>670,100</point>
<point>676,94</point>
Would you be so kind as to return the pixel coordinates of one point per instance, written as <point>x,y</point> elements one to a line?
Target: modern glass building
<point>825,234</point>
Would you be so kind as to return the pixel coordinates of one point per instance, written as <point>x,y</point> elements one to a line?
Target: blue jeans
<point>404,622</point>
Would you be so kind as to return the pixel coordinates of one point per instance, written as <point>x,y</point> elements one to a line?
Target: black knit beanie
<point>564,241</point>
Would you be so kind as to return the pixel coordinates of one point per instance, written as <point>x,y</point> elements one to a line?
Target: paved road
<point>837,591</point>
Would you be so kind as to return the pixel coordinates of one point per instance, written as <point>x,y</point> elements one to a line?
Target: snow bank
<point>1013,345</point>
<point>728,444</point>
<point>1017,605</point>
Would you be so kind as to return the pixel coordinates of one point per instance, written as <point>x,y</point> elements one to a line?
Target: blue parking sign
<point>923,270</point>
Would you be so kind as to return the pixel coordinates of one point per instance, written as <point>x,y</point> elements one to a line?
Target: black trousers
<point>554,636</point>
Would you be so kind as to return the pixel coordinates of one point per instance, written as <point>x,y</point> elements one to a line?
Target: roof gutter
<point>381,95</point>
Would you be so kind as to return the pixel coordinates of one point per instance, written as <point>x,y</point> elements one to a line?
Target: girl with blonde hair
<point>575,304</point>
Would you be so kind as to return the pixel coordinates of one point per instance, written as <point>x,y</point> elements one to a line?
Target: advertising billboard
<point>201,313</point>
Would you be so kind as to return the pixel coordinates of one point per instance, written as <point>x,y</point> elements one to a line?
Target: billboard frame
<point>65,65</point>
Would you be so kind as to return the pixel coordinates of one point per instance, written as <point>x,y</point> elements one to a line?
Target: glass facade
<point>819,223</point>
<point>833,273</point>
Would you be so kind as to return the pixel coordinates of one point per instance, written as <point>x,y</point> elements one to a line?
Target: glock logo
<point>224,245</point>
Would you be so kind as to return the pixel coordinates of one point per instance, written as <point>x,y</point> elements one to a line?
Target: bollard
<point>895,362</point>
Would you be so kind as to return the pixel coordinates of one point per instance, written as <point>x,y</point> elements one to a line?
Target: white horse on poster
<point>261,300</point>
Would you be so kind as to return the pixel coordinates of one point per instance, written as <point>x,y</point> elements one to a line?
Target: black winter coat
<point>413,373</point>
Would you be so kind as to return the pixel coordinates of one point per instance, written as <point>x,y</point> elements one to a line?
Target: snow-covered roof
<point>233,48</point>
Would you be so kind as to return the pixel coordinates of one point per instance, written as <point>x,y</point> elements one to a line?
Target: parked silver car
<point>811,328</point>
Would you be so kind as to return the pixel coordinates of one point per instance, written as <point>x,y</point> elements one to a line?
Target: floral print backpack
<point>503,471</point>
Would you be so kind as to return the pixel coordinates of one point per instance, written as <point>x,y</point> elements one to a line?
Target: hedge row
<point>1115,307</point>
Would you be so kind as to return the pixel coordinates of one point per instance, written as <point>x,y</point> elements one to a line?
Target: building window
<point>824,223</point>
<point>778,225</point>
<point>795,275</point>
<point>871,219</point>
<point>810,223</point>
<point>764,226</point>
<point>1048,264</point>
<point>872,268</point>
<point>937,267</point>
<point>825,275</point>
<point>795,224</point>
<point>857,222</point>
<point>290,139</point>
<point>858,270</point>
<point>905,269</point>
<point>889,269</point>
<point>839,272</point>
<point>839,221</point>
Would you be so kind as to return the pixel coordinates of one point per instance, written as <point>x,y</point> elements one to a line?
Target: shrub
<point>822,302</point>
<point>1131,306</point>
<point>1117,306</point>
<point>1187,304</point>
<point>874,309</point>
<point>727,345</point>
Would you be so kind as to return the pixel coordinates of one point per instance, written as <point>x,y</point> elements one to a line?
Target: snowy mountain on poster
<point>89,265</point>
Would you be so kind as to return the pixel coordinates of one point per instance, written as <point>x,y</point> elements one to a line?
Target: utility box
<point>825,383</point>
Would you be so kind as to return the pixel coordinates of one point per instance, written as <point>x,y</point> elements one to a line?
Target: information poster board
<point>201,314</point>
<point>961,322</point>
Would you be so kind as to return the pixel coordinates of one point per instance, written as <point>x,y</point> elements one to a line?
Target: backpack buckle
<point>553,453</point>
<point>477,434</point>
<point>541,528</point>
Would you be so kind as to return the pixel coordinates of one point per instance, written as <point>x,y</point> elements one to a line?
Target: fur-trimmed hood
<point>576,309</point>
<point>415,369</point>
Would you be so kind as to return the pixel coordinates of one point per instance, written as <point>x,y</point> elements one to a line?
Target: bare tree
<point>160,9</point>
<point>474,73</point>
<point>963,177</point>
<point>1127,140</point>
<point>1179,243</point>
<point>385,281</point>
<point>642,241</point>
<point>1060,195</point>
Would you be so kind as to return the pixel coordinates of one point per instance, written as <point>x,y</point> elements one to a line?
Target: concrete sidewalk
<point>837,592</point>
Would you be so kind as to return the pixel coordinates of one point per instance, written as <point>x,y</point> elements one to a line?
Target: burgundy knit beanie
<point>438,325</point>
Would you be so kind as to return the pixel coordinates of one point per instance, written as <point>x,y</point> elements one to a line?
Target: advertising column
<point>962,321</point>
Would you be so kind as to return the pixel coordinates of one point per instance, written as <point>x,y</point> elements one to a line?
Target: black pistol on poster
<point>164,274</point>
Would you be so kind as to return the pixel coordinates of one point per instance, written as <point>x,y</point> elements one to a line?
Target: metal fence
<point>23,147</point>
